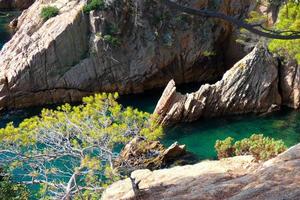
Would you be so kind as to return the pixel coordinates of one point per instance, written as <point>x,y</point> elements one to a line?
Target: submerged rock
<point>251,85</point>
<point>236,178</point>
<point>115,49</point>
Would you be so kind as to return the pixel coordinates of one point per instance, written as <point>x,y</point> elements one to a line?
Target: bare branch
<point>240,24</point>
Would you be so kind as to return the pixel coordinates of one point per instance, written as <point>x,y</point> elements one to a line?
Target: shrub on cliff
<point>71,151</point>
<point>94,5</point>
<point>262,148</point>
<point>49,12</point>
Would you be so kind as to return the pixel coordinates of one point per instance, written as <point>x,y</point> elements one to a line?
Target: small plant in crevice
<point>49,12</point>
<point>260,147</point>
<point>94,5</point>
<point>111,34</point>
<point>114,41</point>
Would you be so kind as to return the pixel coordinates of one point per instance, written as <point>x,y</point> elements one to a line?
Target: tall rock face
<point>237,178</point>
<point>251,85</point>
<point>290,84</point>
<point>15,4</point>
<point>129,47</point>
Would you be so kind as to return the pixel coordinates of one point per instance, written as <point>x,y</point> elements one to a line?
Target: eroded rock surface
<point>237,178</point>
<point>290,84</point>
<point>251,85</point>
<point>128,47</point>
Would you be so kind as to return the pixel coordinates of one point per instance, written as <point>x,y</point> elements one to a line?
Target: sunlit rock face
<point>75,54</point>
<point>237,178</point>
<point>251,85</point>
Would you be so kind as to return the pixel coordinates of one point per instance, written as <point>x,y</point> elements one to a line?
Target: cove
<point>200,136</point>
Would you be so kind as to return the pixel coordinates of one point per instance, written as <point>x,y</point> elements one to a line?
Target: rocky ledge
<point>116,49</point>
<point>258,83</point>
<point>237,178</point>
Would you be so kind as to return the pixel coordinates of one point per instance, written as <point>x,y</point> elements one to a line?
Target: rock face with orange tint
<point>237,178</point>
<point>76,53</point>
<point>250,86</point>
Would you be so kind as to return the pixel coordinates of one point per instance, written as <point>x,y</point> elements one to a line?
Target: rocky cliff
<point>237,178</point>
<point>129,46</point>
<point>251,85</point>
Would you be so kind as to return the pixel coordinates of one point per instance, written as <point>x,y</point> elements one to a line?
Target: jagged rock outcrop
<point>290,84</point>
<point>128,47</point>
<point>15,4</point>
<point>142,154</point>
<point>237,178</point>
<point>251,85</point>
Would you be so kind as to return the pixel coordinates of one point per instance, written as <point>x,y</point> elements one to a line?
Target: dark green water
<point>199,136</point>
<point>4,20</point>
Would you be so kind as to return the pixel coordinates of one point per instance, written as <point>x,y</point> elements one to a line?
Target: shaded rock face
<point>237,178</point>
<point>15,4</point>
<point>290,84</point>
<point>71,55</point>
<point>251,85</point>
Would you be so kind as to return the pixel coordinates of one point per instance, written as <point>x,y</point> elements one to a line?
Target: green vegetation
<point>94,5</point>
<point>289,19</point>
<point>69,152</point>
<point>49,12</point>
<point>112,40</point>
<point>262,148</point>
<point>10,190</point>
<point>111,34</point>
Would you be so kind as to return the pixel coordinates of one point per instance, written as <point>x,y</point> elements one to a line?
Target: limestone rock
<point>251,85</point>
<point>290,84</point>
<point>68,57</point>
<point>237,178</point>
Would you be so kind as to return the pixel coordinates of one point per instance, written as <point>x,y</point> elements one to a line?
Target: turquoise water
<point>200,136</point>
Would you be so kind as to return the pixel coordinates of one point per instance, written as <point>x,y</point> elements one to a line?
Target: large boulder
<point>237,178</point>
<point>250,86</point>
<point>127,48</point>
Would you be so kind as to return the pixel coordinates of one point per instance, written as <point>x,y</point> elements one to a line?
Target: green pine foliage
<point>10,190</point>
<point>289,19</point>
<point>262,148</point>
<point>49,12</point>
<point>94,5</point>
<point>74,144</point>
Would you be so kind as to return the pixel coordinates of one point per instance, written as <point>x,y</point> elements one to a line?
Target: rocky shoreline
<point>232,178</point>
